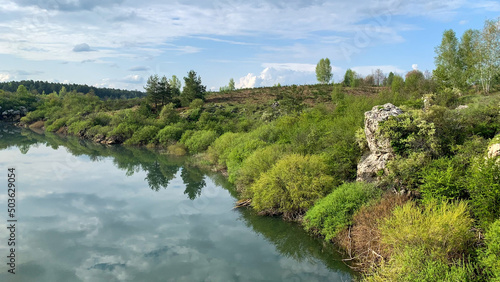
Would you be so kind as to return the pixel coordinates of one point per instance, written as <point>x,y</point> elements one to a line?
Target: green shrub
<point>123,131</point>
<point>79,127</point>
<point>168,114</point>
<point>292,185</point>
<point>443,179</point>
<point>334,212</point>
<point>490,257</point>
<point>410,133</point>
<point>143,136</point>
<point>260,161</point>
<point>484,187</point>
<point>198,141</point>
<point>196,104</point>
<point>413,264</point>
<point>170,133</point>
<point>442,230</point>
<point>58,123</point>
<point>221,147</point>
<point>244,147</point>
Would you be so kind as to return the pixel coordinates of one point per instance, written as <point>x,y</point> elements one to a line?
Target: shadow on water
<point>289,238</point>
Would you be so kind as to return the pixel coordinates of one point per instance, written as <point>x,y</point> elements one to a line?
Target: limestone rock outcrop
<point>381,152</point>
<point>494,148</point>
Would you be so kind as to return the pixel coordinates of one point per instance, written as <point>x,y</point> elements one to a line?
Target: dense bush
<point>292,185</point>
<point>143,136</point>
<point>123,131</point>
<point>442,230</point>
<point>334,212</point>
<point>444,179</point>
<point>413,264</point>
<point>170,133</point>
<point>490,257</point>
<point>58,123</point>
<point>221,147</point>
<point>484,187</point>
<point>242,149</point>
<point>260,161</point>
<point>198,141</point>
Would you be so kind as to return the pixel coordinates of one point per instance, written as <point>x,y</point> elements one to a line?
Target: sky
<point>120,43</point>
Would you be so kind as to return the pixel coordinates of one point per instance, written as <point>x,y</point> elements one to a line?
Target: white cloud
<point>462,22</point>
<point>414,67</point>
<point>150,24</point>
<point>5,77</point>
<point>282,73</point>
<point>367,70</point>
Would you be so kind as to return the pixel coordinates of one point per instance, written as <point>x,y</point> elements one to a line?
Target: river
<point>88,212</point>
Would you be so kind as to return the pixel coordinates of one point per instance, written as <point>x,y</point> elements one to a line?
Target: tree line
<point>45,87</point>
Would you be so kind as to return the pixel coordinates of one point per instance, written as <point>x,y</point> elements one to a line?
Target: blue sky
<point>119,43</point>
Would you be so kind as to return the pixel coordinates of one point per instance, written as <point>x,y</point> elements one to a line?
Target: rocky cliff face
<point>381,151</point>
<point>12,114</point>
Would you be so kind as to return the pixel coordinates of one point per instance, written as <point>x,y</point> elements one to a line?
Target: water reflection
<point>93,224</point>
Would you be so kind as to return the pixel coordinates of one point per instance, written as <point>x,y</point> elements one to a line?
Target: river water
<point>87,212</point>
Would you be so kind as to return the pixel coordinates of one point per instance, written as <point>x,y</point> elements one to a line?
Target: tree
<point>231,85</point>
<point>350,78</point>
<point>488,47</point>
<point>378,76</point>
<point>448,66</point>
<point>390,78</point>
<point>175,85</point>
<point>193,89</point>
<point>397,84</point>
<point>467,53</point>
<point>165,91</point>
<point>158,91</point>
<point>413,80</point>
<point>324,71</point>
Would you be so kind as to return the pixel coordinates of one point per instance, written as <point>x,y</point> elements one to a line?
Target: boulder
<point>377,143</point>
<point>373,164</point>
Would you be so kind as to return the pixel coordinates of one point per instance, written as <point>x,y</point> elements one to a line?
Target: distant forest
<point>41,87</point>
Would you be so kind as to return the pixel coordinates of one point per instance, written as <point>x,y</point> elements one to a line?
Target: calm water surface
<point>93,213</point>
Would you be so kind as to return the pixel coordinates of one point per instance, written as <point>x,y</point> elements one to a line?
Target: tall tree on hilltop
<point>175,85</point>
<point>468,55</point>
<point>489,53</point>
<point>193,89</point>
<point>324,71</point>
<point>231,85</point>
<point>448,66</point>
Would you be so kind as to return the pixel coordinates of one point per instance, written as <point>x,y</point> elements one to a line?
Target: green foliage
<point>260,161</point>
<point>168,114</point>
<point>441,230</point>
<point>292,185</point>
<point>334,212</point>
<point>324,71</point>
<point>221,147</point>
<point>398,84</point>
<point>199,140</point>
<point>413,264</point>
<point>170,133</point>
<point>143,136</point>
<point>414,80</point>
<point>490,256</point>
<point>245,146</point>
<point>193,89</point>
<point>444,179</point>
<point>484,188</point>
<point>410,133</point>
<point>196,104</point>
<point>349,78</point>
<point>57,124</point>
<point>123,131</point>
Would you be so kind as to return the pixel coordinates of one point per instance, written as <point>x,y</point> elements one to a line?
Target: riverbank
<point>300,161</point>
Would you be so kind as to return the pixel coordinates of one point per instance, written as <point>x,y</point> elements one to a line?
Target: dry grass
<point>362,240</point>
<point>37,125</point>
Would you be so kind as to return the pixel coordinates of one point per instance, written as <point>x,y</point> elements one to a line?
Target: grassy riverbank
<point>294,152</point>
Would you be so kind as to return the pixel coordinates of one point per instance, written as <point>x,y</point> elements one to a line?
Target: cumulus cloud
<point>84,47</point>
<point>133,78</point>
<point>5,77</point>
<point>282,73</point>
<point>414,67</point>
